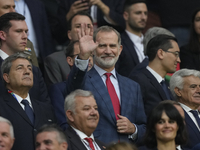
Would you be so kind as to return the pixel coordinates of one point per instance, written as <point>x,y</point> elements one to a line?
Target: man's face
<point>136,17</point>
<point>7,6</point>
<point>16,38</point>
<point>48,141</point>
<point>20,75</point>
<point>6,141</point>
<point>108,50</point>
<point>190,94</point>
<point>197,23</point>
<point>76,24</point>
<point>171,60</point>
<point>86,116</point>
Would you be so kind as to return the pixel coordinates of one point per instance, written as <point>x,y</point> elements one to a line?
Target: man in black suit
<point>51,137</point>
<point>163,53</point>
<point>135,15</point>
<point>17,105</point>
<point>13,38</point>
<point>83,117</point>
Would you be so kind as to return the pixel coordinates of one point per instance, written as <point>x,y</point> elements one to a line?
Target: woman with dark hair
<point>190,53</point>
<point>165,128</point>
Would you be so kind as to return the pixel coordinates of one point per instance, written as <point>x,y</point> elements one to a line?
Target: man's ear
<point>69,34</point>
<point>125,15</point>
<point>69,115</point>
<point>2,35</point>
<point>177,91</point>
<point>160,54</point>
<point>6,77</point>
<point>70,61</point>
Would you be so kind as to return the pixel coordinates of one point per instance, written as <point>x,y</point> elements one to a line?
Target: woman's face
<point>197,23</point>
<point>166,129</point>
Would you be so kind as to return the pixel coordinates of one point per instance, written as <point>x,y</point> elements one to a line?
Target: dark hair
<point>194,43</point>
<point>6,18</point>
<point>128,3</point>
<point>159,42</point>
<point>54,128</point>
<point>155,116</point>
<point>81,13</point>
<point>70,49</point>
<point>121,146</point>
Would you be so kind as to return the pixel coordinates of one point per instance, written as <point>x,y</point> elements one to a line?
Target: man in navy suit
<point>163,53</point>
<point>185,86</point>
<point>122,118</point>
<point>83,117</point>
<point>17,105</point>
<point>13,38</point>
<point>135,15</point>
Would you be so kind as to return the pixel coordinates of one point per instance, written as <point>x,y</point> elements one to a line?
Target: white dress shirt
<point>3,54</point>
<point>155,74</point>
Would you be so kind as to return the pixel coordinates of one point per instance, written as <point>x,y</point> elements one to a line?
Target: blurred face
<point>197,23</point>
<point>86,116</point>
<point>6,141</point>
<point>76,24</point>
<point>171,58</point>
<point>16,38</point>
<point>190,94</point>
<point>136,17</point>
<point>166,129</point>
<point>20,75</point>
<point>7,6</point>
<point>48,141</point>
<point>108,50</point>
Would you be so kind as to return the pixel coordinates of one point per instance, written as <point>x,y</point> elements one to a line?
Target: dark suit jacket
<point>74,142</point>
<point>189,60</point>
<point>152,91</point>
<point>128,58</point>
<point>38,91</point>
<point>24,130</point>
<point>41,26</point>
<point>56,68</point>
<point>131,103</point>
<point>193,133</point>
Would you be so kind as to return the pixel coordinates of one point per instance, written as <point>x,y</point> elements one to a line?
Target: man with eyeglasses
<point>163,53</point>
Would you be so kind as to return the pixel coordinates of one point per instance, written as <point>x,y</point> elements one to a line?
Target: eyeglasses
<point>177,54</point>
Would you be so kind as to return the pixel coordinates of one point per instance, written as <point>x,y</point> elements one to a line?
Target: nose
<point>12,9</point>
<point>94,111</point>
<point>144,16</point>
<point>108,50</point>
<point>178,59</point>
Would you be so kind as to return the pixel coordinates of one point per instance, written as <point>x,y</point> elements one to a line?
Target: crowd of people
<point>108,87</point>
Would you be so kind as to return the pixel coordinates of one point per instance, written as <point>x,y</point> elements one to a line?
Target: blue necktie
<point>165,88</point>
<point>196,116</point>
<point>28,110</point>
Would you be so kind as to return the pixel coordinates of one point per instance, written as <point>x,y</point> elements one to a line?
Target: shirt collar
<point>155,74</point>
<point>83,135</point>
<point>101,72</point>
<point>186,108</point>
<point>135,38</point>
<point>3,54</point>
<point>19,99</point>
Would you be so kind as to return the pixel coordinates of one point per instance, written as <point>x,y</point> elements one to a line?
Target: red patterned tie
<point>89,140</point>
<point>113,95</point>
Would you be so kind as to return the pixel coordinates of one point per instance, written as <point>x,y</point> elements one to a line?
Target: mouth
<point>26,78</point>
<point>23,43</point>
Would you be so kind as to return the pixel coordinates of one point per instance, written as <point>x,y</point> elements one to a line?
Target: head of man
<point>17,73</point>
<point>13,33</point>
<point>6,134</point>
<point>107,52</point>
<point>163,50</point>
<point>75,22</point>
<point>7,6</point>
<point>51,137</point>
<point>135,15</point>
<point>185,86</point>
<point>82,111</point>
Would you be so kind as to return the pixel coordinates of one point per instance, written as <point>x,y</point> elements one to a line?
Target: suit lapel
<point>13,103</point>
<point>155,83</point>
<point>37,111</point>
<point>102,91</point>
<point>130,47</point>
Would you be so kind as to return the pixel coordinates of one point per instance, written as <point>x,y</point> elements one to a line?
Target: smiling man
<point>185,86</point>
<point>83,117</point>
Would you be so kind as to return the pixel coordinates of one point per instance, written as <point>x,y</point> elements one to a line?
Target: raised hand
<point>86,42</point>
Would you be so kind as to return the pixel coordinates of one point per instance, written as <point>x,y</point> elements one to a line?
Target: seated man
<point>51,137</point>
<point>185,86</point>
<point>25,113</point>
<point>6,134</point>
<point>83,117</point>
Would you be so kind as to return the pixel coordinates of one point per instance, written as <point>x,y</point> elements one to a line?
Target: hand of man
<point>76,7</point>
<point>124,125</point>
<point>86,42</point>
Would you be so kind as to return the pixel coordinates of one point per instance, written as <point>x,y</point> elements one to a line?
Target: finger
<point>78,34</point>
<point>91,30</point>
<point>77,3</point>
<point>120,117</point>
<point>82,30</point>
<point>87,30</point>
<point>82,5</point>
<point>82,8</point>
